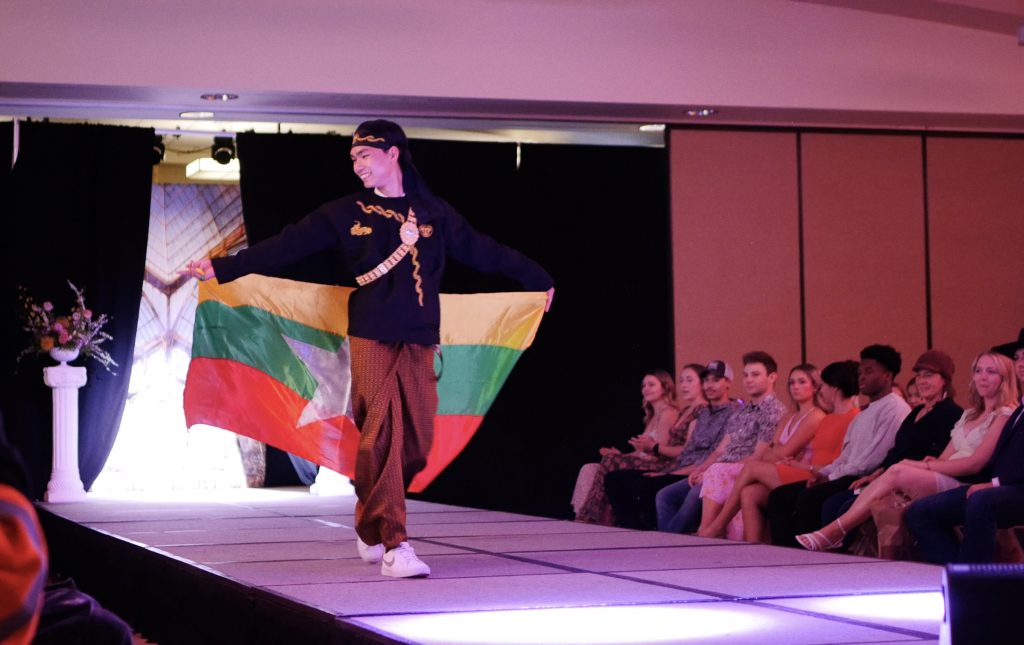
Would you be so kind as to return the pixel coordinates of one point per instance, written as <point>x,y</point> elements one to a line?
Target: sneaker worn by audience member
<point>371,554</point>
<point>401,562</point>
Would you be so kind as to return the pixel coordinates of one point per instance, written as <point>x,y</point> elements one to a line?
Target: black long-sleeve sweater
<point>366,227</point>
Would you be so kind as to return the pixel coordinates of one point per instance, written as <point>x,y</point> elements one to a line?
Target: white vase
<point>62,355</point>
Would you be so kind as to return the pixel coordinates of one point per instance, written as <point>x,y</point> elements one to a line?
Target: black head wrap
<point>383,134</point>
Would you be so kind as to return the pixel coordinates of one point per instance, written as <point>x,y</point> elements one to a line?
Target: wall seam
<point>927,244</point>
<point>800,244</point>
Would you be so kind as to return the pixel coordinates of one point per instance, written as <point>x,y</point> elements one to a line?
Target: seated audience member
<point>993,391</point>
<point>979,508</point>
<point>913,394</point>
<point>30,610</point>
<point>796,508</point>
<point>753,424</point>
<point>658,401</point>
<point>924,432</point>
<point>758,478</point>
<point>690,399</point>
<point>23,557</point>
<point>792,437</point>
<point>631,492</point>
<point>898,390</point>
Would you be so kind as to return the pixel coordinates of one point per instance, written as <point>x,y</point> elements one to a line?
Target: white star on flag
<point>333,395</point>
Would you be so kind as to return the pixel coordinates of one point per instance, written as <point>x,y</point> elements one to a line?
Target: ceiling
<point>526,120</point>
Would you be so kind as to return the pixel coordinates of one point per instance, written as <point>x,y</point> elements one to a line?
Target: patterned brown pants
<point>394,400</point>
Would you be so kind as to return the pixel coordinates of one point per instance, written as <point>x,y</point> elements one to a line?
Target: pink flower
<point>64,338</point>
<point>58,327</point>
<point>47,306</point>
<point>88,314</point>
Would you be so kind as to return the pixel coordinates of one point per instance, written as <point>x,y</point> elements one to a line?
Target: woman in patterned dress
<point>664,430</point>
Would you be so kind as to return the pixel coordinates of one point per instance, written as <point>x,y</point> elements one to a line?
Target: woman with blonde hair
<point>660,429</point>
<point>993,393</point>
<point>838,392</point>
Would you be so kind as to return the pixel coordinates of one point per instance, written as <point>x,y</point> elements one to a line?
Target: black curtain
<point>6,150</point>
<point>284,177</point>
<point>597,218</point>
<point>75,207</point>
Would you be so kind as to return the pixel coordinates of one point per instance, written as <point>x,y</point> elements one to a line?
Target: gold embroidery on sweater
<point>380,210</point>
<point>358,229</point>
<point>426,230</point>
<point>414,257</point>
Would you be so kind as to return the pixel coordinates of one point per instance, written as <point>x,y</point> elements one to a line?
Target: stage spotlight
<point>223,149</point>
<point>158,149</point>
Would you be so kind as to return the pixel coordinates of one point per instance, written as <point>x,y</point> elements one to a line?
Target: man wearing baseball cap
<point>632,492</point>
<point>679,505</point>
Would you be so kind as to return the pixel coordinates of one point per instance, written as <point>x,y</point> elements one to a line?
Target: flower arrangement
<point>78,330</point>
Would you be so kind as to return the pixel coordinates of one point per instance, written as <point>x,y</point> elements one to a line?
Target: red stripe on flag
<point>266,410</point>
<point>451,434</point>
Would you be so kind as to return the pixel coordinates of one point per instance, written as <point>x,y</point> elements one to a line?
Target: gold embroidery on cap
<point>426,230</point>
<point>358,229</point>
<point>368,138</point>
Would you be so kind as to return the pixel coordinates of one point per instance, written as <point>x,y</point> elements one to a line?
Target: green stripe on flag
<point>255,337</point>
<point>472,377</point>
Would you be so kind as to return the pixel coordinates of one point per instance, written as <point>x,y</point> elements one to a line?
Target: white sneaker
<point>369,554</point>
<point>401,562</point>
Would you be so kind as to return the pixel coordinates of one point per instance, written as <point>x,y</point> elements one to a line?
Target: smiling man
<point>395,238</point>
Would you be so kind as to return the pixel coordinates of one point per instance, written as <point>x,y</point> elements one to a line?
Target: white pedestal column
<point>329,482</point>
<point>65,482</point>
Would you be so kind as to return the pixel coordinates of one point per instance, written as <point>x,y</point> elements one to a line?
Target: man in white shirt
<point>796,508</point>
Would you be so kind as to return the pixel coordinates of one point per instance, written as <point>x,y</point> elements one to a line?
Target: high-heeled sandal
<point>816,540</point>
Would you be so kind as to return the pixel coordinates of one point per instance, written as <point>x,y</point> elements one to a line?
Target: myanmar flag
<point>270,361</point>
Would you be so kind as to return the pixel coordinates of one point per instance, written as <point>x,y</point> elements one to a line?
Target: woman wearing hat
<point>993,391</point>
<point>395,238</point>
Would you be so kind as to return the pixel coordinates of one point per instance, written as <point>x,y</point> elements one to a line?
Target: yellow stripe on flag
<point>319,306</point>
<point>498,319</point>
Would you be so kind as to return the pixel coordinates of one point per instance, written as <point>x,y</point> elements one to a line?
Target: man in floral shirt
<point>678,505</point>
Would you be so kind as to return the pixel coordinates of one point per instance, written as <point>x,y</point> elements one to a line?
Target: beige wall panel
<point>735,253</point>
<point>976,206</point>
<point>864,265</point>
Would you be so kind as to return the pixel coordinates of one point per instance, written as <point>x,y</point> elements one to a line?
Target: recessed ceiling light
<point>702,112</point>
<point>219,97</point>
<point>196,115</point>
<point>653,127</point>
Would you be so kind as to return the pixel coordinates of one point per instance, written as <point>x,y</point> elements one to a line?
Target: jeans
<point>678,507</point>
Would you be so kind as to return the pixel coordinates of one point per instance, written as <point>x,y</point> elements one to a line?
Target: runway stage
<point>280,566</point>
